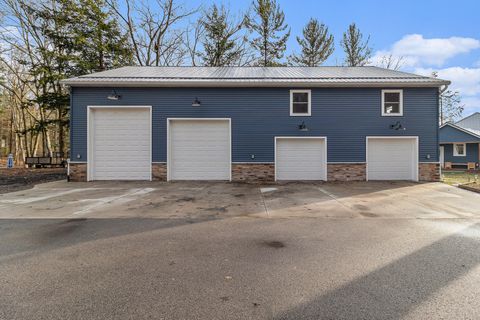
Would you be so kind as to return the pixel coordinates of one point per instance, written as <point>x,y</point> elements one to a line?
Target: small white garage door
<point>199,149</point>
<point>302,158</point>
<point>392,158</point>
<point>120,144</point>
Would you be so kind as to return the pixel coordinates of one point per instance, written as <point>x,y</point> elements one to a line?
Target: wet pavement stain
<point>369,214</point>
<point>274,244</point>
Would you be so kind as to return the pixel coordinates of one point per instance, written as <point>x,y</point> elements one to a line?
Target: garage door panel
<point>121,144</point>
<point>199,150</point>
<point>300,159</point>
<point>392,159</point>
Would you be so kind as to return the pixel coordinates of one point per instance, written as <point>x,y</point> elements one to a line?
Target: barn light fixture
<point>196,102</point>
<point>113,95</point>
<point>397,126</point>
<point>302,126</point>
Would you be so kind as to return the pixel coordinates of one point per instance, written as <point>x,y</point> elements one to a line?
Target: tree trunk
<point>11,135</point>
<point>61,137</point>
<point>48,143</point>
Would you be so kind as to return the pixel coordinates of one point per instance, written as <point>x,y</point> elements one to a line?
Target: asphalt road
<point>234,251</point>
<point>240,268</point>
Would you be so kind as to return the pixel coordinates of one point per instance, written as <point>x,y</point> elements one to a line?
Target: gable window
<point>300,103</point>
<point>392,102</point>
<point>459,149</point>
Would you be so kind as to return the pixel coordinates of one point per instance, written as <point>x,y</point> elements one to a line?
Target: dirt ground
<point>17,179</point>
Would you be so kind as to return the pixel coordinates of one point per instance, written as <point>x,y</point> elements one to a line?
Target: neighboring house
<point>254,124</point>
<point>460,142</point>
<point>471,122</point>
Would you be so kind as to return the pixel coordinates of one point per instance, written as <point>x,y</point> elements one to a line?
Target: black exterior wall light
<point>113,95</point>
<point>196,103</point>
<point>302,126</point>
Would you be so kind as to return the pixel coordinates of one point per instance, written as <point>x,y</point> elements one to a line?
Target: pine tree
<point>357,51</point>
<point>269,24</point>
<point>81,37</point>
<point>222,46</point>
<point>317,45</point>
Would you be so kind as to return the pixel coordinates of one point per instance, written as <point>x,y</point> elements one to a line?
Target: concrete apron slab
<point>206,201</point>
<point>126,200</point>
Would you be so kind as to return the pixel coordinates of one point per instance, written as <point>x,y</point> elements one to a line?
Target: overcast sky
<point>439,35</point>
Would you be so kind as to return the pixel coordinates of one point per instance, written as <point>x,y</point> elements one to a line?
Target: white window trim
<point>309,113</point>
<point>456,154</point>
<point>384,114</point>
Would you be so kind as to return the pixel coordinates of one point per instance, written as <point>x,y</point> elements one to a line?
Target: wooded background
<point>43,42</point>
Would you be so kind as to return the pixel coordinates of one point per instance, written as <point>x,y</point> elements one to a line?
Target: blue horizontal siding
<point>448,134</point>
<point>344,115</point>
<point>472,154</point>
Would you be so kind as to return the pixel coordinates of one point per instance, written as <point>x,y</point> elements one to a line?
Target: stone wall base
<point>78,172</point>
<point>346,172</point>
<point>265,172</point>
<point>253,173</point>
<point>429,172</point>
<point>159,171</point>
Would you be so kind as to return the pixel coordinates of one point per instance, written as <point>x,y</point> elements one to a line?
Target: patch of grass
<point>460,177</point>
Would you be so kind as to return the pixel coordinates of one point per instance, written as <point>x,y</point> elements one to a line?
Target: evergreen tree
<point>317,45</point>
<point>269,24</point>
<point>77,37</point>
<point>221,44</point>
<point>357,51</point>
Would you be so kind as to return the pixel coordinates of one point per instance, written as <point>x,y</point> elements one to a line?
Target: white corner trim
<point>416,154</point>
<point>309,113</point>
<point>90,136</point>
<point>400,114</point>
<point>302,137</point>
<point>196,119</point>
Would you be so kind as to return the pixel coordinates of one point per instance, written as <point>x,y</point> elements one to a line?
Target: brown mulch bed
<point>475,187</point>
<point>17,179</point>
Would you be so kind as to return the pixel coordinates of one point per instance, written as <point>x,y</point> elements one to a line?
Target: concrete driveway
<point>226,251</point>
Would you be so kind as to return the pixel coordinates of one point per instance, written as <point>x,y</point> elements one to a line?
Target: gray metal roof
<point>253,76</point>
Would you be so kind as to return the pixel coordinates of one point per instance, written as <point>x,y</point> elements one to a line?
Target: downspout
<point>441,90</point>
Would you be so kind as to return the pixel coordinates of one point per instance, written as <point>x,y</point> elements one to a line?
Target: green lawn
<point>460,177</point>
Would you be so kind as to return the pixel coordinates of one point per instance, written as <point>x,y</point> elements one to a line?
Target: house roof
<point>255,76</point>
<point>472,132</point>
<point>471,122</point>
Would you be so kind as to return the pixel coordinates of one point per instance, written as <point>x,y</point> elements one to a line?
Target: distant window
<point>300,103</point>
<point>459,150</point>
<point>392,102</point>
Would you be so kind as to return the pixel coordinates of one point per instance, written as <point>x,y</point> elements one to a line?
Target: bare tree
<point>153,32</point>
<point>450,104</point>
<point>391,62</point>
<point>193,36</point>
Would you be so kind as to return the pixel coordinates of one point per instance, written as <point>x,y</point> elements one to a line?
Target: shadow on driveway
<point>19,236</point>
<point>394,290</point>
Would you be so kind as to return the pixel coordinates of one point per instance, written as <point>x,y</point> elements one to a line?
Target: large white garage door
<point>120,142</point>
<point>392,158</point>
<point>300,158</point>
<point>199,149</point>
